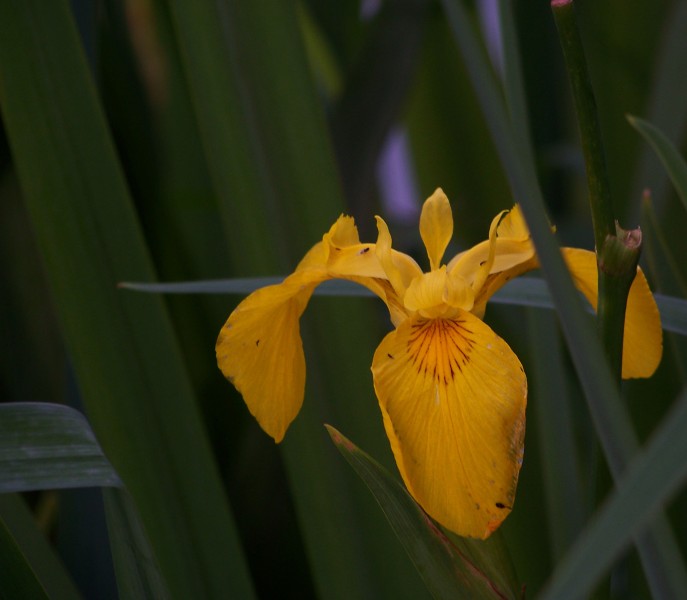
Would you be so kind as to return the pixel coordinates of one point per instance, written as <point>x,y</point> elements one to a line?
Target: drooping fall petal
<point>643,336</point>
<point>259,350</point>
<point>453,396</point>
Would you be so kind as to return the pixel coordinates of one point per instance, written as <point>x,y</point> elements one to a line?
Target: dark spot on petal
<point>389,355</point>
<point>500,505</point>
<point>257,342</point>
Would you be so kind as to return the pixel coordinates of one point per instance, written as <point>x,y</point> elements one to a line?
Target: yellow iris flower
<point>452,392</point>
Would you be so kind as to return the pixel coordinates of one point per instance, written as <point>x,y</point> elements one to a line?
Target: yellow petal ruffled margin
<point>643,336</point>
<point>453,397</point>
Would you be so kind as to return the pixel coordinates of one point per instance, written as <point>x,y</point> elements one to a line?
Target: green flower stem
<point>661,557</point>
<point>617,256</point>
<point>617,260</point>
<point>617,250</point>
<point>590,132</point>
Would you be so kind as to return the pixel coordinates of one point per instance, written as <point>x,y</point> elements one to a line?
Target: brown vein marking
<point>440,348</point>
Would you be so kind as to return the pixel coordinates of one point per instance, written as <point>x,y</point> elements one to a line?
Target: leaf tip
<point>339,439</point>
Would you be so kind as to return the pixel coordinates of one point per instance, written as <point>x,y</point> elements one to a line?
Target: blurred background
<point>217,140</point>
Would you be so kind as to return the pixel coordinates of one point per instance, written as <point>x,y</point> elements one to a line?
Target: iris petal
<point>495,281</point>
<point>341,234</point>
<point>435,294</point>
<point>427,292</point>
<point>485,267</point>
<point>400,268</point>
<point>453,396</point>
<point>511,248</point>
<point>259,350</point>
<point>436,226</point>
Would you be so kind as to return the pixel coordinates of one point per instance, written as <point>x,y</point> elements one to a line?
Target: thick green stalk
<point>588,122</point>
<point>658,548</point>
<point>617,256</point>
<point>617,262</point>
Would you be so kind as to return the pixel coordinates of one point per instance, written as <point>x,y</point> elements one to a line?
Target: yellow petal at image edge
<point>453,397</point>
<point>643,336</point>
<point>259,350</point>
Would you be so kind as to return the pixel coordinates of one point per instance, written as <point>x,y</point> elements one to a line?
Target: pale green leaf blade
<point>525,291</point>
<point>49,446</point>
<point>243,286</point>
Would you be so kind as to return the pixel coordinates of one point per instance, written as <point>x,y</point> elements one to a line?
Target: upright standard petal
<point>259,350</point>
<point>491,264</point>
<point>400,269</point>
<point>453,397</point>
<point>643,335</point>
<point>436,226</point>
<point>512,247</point>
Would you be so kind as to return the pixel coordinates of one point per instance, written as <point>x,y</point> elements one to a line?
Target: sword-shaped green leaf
<point>451,567</point>
<point>125,356</point>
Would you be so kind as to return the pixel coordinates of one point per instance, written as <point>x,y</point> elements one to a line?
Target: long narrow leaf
<point>18,579</point>
<point>560,472</point>
<point>125,356</point>
<point>375,94</point>
<point>672,161</point>
<point>658,550</point>
<point>138,575</point>
<point>49,446</point>
<point>650,481</point>
<point>46,446</point>
<point>266,143</point>
<point>526,291</point>
<point>39,552</point>
<point>451,567</point>
<point>666,108</point>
